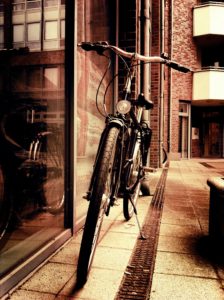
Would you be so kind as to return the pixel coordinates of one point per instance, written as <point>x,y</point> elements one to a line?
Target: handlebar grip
<point>99,47</point>
<point>176,66</point>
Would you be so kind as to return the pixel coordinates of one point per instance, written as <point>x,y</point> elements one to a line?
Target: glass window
<point>51,30</point>
<point>32,159</point>
<point>1,7</point>
<point>62,29</point>
<point>18,5</point>
<point>183,107</point>
<point>18,33</point>
<point>50,3</point>
<point>51,77</point>
<point>34,78</point>
<point>33,32</point>
<point>1,36</point>
<point>33,4</point>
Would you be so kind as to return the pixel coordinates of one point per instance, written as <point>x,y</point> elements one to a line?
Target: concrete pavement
<point>186,266</point>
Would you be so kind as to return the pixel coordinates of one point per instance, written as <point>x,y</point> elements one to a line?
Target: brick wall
<point>155,85</point>
<point>180,45</point>
<point>184,51</point>
<point>127,34</point>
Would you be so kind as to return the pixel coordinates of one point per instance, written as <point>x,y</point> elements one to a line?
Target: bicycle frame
<point>124,124</point>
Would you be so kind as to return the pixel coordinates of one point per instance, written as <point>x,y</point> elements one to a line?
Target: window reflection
<point>18,33</point>
<point>51,30</point>
<point>32,113</point>
<point>33,32</point>
<point>35,29</point>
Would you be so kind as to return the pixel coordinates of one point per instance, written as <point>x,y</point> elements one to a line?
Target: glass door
<point>213,139</point>
<point>184,129</point>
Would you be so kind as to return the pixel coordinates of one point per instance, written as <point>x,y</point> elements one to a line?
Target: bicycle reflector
<point>123,106</point>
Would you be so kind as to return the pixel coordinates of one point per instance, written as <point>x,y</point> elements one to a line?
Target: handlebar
<point>102,46</point>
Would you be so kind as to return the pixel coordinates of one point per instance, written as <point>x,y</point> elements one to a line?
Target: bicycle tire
<point>48,154</point>
<point>128,208</point>
<point>101,190</point>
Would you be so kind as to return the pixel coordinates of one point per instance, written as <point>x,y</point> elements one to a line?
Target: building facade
<point>194,114</point>
<point>49,122</point>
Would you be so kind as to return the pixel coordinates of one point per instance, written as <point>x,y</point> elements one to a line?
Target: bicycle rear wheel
<point>128,208</point>
<point>48,153</point>
<point>103,185</point>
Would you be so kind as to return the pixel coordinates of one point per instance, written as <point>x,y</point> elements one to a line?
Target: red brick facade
<point>169,89</point>
<point>180,46</point>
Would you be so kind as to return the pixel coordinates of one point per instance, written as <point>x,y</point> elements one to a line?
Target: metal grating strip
<point>137,280</point>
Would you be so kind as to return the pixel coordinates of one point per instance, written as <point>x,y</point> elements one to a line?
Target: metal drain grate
<point>137,280</point>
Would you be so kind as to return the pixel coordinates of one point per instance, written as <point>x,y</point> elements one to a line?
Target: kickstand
<point>142,237</point>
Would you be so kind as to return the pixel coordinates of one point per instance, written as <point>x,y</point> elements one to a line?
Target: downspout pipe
<point>146,52</point>
<point>162,75</point>
<point>170,82</point>
<point>145,24</point>
<point>145,71</point>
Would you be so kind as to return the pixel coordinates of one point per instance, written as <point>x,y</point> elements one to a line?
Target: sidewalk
<point>185,267</point>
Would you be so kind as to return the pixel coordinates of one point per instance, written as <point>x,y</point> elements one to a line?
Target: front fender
<point>116,122</point>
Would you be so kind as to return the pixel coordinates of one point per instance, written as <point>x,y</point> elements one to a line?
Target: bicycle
<point>31,166</point>
<point>121,157</point>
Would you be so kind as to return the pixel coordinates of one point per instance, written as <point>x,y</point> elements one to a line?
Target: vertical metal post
<point>161,115</point>
<point>145,25</point>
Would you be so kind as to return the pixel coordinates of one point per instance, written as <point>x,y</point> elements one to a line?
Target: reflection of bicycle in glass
<point>31,166</point>
<point>121,157</point>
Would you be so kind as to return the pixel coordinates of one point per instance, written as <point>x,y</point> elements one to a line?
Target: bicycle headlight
<point>123,106</point>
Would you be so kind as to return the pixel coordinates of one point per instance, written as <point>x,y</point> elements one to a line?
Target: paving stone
<point>183,264</point>
<point>29,295</point>
<point>171,287</point>
<point>50,278</point>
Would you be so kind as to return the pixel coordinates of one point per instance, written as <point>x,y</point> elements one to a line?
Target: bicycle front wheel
<point>103,185</point>
<point>131,198</point>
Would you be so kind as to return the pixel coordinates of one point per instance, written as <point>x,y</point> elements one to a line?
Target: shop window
<point>18,33</point>
<point>36,209</point>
